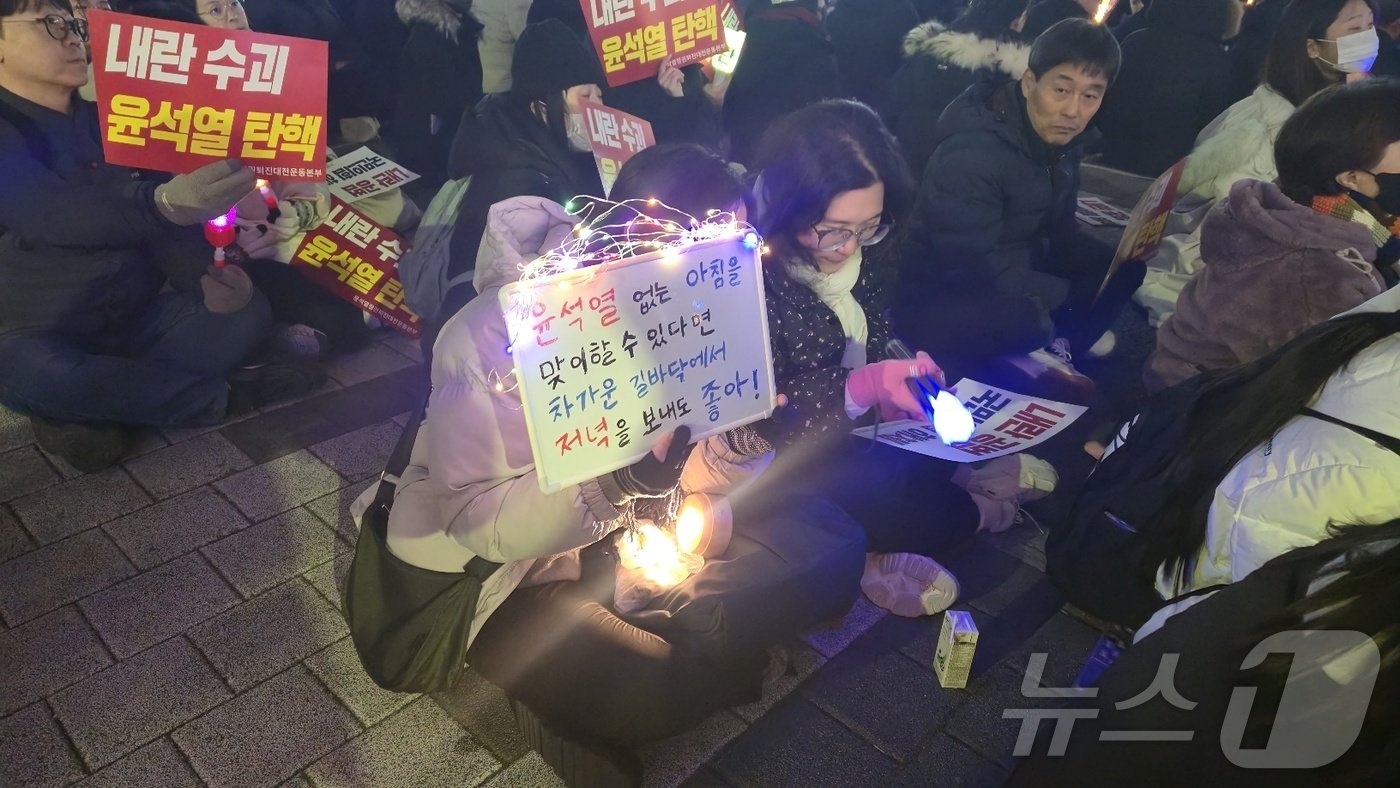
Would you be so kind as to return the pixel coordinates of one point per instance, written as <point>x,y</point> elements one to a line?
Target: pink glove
<point>884,384</point>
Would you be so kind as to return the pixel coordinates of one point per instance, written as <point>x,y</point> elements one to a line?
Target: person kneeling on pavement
<point>589,676</point>
<point>89,343</point>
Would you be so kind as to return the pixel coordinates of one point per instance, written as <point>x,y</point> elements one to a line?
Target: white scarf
<point>834,290</point>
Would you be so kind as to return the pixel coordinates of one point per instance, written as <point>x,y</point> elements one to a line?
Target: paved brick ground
<point>174,621</point>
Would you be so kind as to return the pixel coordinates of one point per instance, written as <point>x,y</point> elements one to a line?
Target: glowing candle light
<point>220,232</point>
<point>705,525</point>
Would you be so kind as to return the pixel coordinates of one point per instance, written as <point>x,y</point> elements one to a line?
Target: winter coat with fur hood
<point>939,64</point>
<point>1274,268</point>
<point>470,488</point>
<point>439,79</point>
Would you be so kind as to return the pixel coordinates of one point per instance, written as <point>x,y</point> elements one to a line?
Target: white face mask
<point>578,134</point>
<point>1355,52</point>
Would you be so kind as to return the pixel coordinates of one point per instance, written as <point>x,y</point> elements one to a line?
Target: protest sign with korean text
<point>1006,423</point>
<point>363,173</point>
<point>610,359</point>
<point>633,37</point>
<point>174,97</point>
<point>357,260</point>
<point>1148,222</point>
<point>615,137</point>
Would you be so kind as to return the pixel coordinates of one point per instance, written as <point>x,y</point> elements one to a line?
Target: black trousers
<point>592,672</point>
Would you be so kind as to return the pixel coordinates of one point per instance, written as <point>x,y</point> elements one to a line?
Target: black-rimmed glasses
<point>58,26</point>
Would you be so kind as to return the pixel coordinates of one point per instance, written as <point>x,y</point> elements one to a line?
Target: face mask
<point>578,134</point>
<point>1355,52</point>
<point>1389,197</point>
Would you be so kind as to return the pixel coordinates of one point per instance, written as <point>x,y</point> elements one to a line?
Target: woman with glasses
<point>832,182</point>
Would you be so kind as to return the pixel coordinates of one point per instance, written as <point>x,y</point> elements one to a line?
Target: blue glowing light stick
<point>945,411</point>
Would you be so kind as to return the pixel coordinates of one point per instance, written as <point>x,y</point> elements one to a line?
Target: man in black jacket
<point>87,340</point>
<point>993,263</point>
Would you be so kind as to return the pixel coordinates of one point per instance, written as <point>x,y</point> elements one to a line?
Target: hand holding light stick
<point>945,411</point>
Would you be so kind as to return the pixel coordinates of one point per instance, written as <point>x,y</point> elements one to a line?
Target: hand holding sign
<point>205,193</point>
<point>671,79</point>
<point>657,473</point>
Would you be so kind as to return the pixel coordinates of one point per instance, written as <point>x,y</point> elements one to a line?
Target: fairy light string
<point>612,232</point>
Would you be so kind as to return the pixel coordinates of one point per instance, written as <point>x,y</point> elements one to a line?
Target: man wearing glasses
<point>88,343</point>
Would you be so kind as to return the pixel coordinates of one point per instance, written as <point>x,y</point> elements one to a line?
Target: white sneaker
<point>1053,376</point>
<point>908,584</point>
<point>1105,346</point>
<point>1002,485</point>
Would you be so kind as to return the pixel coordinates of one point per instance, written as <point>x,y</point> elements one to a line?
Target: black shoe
<point>578,764</point>
<point>251,388</point>
<point>87,447</point>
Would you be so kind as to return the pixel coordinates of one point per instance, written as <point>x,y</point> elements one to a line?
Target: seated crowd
<point>914,170</point>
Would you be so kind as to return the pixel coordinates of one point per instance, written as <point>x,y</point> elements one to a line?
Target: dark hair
<point>1238,410</point>
<point>1288,69</point>
<point>1387,11</point>
<point>171,10</point>
<point>1345,127</point>
<point>683,175</point>
<point>1080,43</point>
<point>990,18</point>
<point>13,7</point>
<point>1213,20</point>
<point>810,156</point>
<point>1361,593</point>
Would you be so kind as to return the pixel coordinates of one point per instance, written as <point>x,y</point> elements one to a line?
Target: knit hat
<point>548,59</point>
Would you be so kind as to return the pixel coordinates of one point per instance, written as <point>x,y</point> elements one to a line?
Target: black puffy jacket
<point>82,246</point>
<point>996,206</point>
<point>1148,122</point>
<point>509,153</point>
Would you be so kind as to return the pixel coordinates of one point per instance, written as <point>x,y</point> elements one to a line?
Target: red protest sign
<point>175,97</point>
<point>1148,223</point>
<point>357,260</point>
<point>633,37</point>
<point>615,137</point>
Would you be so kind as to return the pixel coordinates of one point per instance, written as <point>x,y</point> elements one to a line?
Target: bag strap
<point>398,460</point>
<point>478,568</point>
<point>1381,438</point>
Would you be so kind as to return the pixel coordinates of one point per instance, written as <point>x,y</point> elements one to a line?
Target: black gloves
<point>650,477</point>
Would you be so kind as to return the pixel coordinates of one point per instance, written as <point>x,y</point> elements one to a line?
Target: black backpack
<point>1096,556</point>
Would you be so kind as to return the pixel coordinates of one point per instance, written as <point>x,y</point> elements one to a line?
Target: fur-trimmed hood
<point>441,14</point>
<point>966,50</point>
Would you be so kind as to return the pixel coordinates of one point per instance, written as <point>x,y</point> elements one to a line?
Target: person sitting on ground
<point>1150,122</point>
<point>994,265</point>
<point>940,63</point>
<point>1239,144</point>
<point>788,62</point>
<point>832,182</point>
<point>311,321</point>
<point>439,80</point>
<point>1280,258</point>
<point>867,36</point>
<point>1327,611</point>
<point>1236,467</point>
<point>530,141</point>
<point>88,343</point>
<point>588,679</point>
